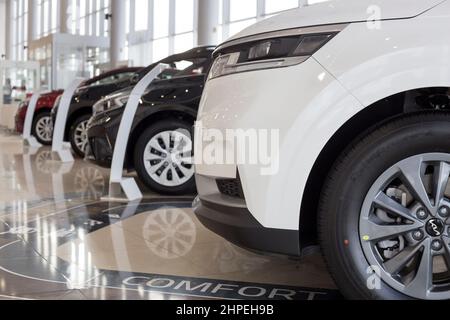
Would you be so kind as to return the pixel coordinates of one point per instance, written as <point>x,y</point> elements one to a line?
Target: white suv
<point>358,91</point>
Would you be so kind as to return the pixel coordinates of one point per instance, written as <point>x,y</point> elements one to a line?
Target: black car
<point>86,96</point>
<point>160,144</point>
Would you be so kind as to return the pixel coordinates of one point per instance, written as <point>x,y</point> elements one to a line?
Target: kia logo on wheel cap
<point>435,227</point>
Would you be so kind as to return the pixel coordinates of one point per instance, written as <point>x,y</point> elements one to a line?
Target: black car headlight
<point>99,106</point>
<point>272,50</point>
<point>110,104</point>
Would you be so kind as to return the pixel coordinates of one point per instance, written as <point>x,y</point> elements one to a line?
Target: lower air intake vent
<point>231,188</point>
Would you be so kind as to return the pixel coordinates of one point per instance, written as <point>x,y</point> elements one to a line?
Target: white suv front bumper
<point>291,100</point>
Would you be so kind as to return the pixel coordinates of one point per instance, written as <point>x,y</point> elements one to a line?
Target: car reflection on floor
<point>58,240</point>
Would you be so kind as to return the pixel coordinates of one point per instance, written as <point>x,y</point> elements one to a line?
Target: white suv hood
<point>340,11</point>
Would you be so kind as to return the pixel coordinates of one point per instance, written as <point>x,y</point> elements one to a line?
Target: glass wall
<point>47,17</point>
<point>20,29</point>
<point>43,55</point>
<point>61,61</point>
<point>87,17</point>
<point>155,28</point>
<point>17,80</point>
<point>159,28</point>
<point>236,15</point>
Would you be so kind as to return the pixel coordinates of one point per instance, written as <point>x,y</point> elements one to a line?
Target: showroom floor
<point>58,240</point>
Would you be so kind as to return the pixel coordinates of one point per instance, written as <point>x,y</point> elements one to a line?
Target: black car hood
<point>199,52</point>
<point>88,89</point>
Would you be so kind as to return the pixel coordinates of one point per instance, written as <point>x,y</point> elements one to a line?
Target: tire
<point>75,135</point>
<point>346,197</point>
<point>162,183</point>
<point>43,128</point>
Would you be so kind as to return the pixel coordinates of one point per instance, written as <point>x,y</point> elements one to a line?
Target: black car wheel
<point>43,128</point>
<point>78,135</point>
<point>163,157</point>
<point>384,213</point>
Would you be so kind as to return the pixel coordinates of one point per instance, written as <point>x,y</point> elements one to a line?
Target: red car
<point>42,127</point>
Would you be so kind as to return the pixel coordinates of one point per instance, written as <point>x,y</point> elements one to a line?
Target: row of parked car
<point>360,106</point>
<point>169,103</point>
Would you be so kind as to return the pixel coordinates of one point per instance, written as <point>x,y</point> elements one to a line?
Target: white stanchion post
<point>118,185</point>
<point>59,151</point>
<point>28,138</point>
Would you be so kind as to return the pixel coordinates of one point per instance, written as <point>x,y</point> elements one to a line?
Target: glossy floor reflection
<point>58,240</point>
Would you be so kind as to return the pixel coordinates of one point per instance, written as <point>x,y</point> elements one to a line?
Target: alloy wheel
<point>44,129</point>
<point>405,226</point>
<point>168,158</point>
<point>80,136</point>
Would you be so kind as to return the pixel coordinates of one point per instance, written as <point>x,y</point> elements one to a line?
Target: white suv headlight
<point>272,50</point>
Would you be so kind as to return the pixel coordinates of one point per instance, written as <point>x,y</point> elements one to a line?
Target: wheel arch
<point>72,117</point>
<point>380,111</point>
<point>40,111</point>
<point>179,112</point>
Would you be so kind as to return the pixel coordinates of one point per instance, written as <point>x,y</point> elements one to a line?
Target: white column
<point>64,15</point>
<point>2,28</point>
<point>208,21</point>
<point>118,35</point>
<point>8,30</point>
<point>32,20</point>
